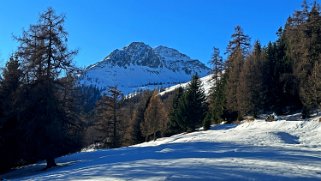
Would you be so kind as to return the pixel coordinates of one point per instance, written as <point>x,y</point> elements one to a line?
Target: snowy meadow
<point>256,150</point>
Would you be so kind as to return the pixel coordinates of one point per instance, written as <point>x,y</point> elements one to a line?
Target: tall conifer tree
<point>173,127</point>
<point>238,49</point>
<point>192,106</point>
<point>154,117</point>
<point>45,58</point>
<point>9,130</point>
<point>217,97</point>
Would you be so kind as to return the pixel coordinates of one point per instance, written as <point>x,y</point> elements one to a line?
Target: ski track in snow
<point>256,150</point>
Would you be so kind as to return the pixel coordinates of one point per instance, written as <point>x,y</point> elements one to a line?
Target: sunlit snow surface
<point>256,150</point>
<point>206,83</point>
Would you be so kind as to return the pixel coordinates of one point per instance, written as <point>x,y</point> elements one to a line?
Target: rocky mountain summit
<point>139,66</point>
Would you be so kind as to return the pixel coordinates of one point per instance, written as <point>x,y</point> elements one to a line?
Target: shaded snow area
<point>256,150</point>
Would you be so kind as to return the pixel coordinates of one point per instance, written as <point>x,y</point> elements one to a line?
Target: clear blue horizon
<point>193,27</point>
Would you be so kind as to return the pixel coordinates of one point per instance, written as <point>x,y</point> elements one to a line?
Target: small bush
<point>207,122</point>
<point>270,118</point>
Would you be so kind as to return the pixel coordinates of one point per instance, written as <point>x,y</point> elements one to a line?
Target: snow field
<point>257,150</point>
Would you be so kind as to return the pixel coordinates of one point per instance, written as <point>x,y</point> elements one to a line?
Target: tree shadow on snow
<point>224,126</point>
<point>145,162</point>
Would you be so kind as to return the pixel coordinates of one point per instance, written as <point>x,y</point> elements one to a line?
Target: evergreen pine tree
<point>192,106</point>
<point>173,127</point>
<point>9,132</point>
<point>207,121</point>
<point>278,77</point>
<point>217,99</point>
<point>9,86</point>
<point>217,65</point>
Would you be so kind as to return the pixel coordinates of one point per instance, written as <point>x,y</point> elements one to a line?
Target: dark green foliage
<point>217,64</point>
<point>9,88</point>
<point>173,127</point>
<point>44,132</point>
<point>271,77</point>
<point>217,100</point>
<point>192,106</point>
<point>217,97</point>
<point>303,33</point>
<point>9,132</point>
<point>89,95</point>
<point>207,122</point>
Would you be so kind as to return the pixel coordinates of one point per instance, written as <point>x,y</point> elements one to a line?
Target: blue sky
<point>191,26</point>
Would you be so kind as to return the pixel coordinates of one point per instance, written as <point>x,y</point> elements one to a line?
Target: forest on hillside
<point>45,114</point>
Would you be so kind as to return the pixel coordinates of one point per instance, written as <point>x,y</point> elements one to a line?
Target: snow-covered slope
<point>139,67</point>
<point>282,150</point>
<point>207,83</point>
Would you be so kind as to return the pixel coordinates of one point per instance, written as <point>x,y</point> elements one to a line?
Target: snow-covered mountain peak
<point>170,54</point>
<point>136,46</point>
<point>139,66</point>
<point>136,53</point>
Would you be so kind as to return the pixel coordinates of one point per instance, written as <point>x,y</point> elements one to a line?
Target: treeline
<point>117,121</point>
<point>282,77</point>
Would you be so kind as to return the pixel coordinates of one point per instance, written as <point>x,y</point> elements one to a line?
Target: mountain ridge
<point>146,67</point>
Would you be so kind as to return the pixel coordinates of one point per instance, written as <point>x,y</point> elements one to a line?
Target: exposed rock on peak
<point>139,66</point>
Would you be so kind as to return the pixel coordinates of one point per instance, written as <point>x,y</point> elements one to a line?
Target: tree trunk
<point>154,136</point>
<point>50,163</point>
